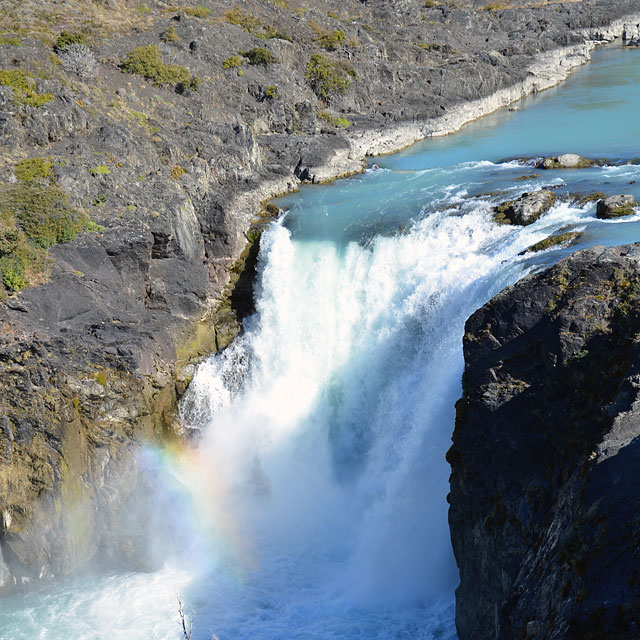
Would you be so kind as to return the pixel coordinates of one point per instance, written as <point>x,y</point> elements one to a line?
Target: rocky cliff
<point>545,496</point>
<point>138,141</point>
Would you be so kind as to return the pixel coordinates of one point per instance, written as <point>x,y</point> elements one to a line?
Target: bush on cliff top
<point>35,214</point>
<point>24,88</point>
<point>146,61</point>
<point>328,78</point>
<point>260,55</point>
<point>332,40</point>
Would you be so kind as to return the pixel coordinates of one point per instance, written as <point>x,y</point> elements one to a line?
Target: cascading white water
<point>327,423</point>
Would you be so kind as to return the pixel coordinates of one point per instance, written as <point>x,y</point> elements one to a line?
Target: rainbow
<point>199,484</point>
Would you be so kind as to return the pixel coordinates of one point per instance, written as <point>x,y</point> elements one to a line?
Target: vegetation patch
<point>328,78</point>
<point>146,61</point>
<point>333,40</point>
<point>34,169</point>
<point>334,121</point>
<point>260,55</point>
<point>232,62</point>
<point>67,38</point>
<point>269,32</point>
<point>33,217</point>
<point>10,39</point>
<point>177,171</point>
<point>195,12</point>
<point>281,4</point>
<point>244,19</point>
<point>24,88</point>
<point>271,91</point>
<point>170,35</point>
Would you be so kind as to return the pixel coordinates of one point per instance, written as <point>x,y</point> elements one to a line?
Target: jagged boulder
<point>545,500</point>
<point>615,207</point>
<point>526,209</point>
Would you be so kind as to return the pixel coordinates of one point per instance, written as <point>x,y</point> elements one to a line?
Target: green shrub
<point>244,19</point>
<point>146,61</point>
<point>33,217</point>
<point>269,32</point>
<point>43,213</point>
<point>232,62</point>
<point>24,88</point>
<point>170,35</point>
<point>192,84</point>
<point>333,120</point>
<point>102,170</point>
<point>328,78</point>
<point>196,12</point>
<point>271,91</point>
<point>333,40</point>
<point>260,55</point>
<point>495,6</point>
<point>67,38</point>
<point>34,169</point>
<point>12,278</point>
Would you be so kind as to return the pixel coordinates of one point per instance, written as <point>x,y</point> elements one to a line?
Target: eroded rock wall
<point>545,495</point>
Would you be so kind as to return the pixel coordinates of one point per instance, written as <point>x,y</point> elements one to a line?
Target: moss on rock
<point>553,241</point>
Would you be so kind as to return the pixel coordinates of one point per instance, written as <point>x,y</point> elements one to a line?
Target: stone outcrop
<point>95,352</point>
<point>615,207</point>
<point>566,161</point>
<point>544,502</point>
<point>560,239</point>
<point>526,209</point>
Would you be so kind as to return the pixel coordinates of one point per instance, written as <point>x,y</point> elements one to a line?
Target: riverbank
<point>95,352</point>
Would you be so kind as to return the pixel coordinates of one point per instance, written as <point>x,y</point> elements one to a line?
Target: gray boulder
<point>566,161</point>
<point>615,207</point>
<point>526,209</point>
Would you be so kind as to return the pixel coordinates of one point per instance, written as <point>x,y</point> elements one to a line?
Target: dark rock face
<point>615,207</point>
<point>526,209</point>
<point>545,496</point>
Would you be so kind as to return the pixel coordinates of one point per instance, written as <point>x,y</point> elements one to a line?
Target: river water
<point>313,505</point>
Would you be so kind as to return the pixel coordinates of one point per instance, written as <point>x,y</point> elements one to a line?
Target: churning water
<point>312,504</point>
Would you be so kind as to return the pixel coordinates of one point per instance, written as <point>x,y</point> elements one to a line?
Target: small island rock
<point>566,161</point>
<point>615,207</point>
<point>526,209</point>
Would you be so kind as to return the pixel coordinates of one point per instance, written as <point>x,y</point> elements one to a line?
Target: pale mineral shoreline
<point>547,70</point>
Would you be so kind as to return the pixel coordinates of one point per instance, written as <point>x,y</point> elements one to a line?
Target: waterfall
<point>323,430</point>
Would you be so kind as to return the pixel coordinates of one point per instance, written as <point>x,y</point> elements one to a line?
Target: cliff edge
<point>545,496</point>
